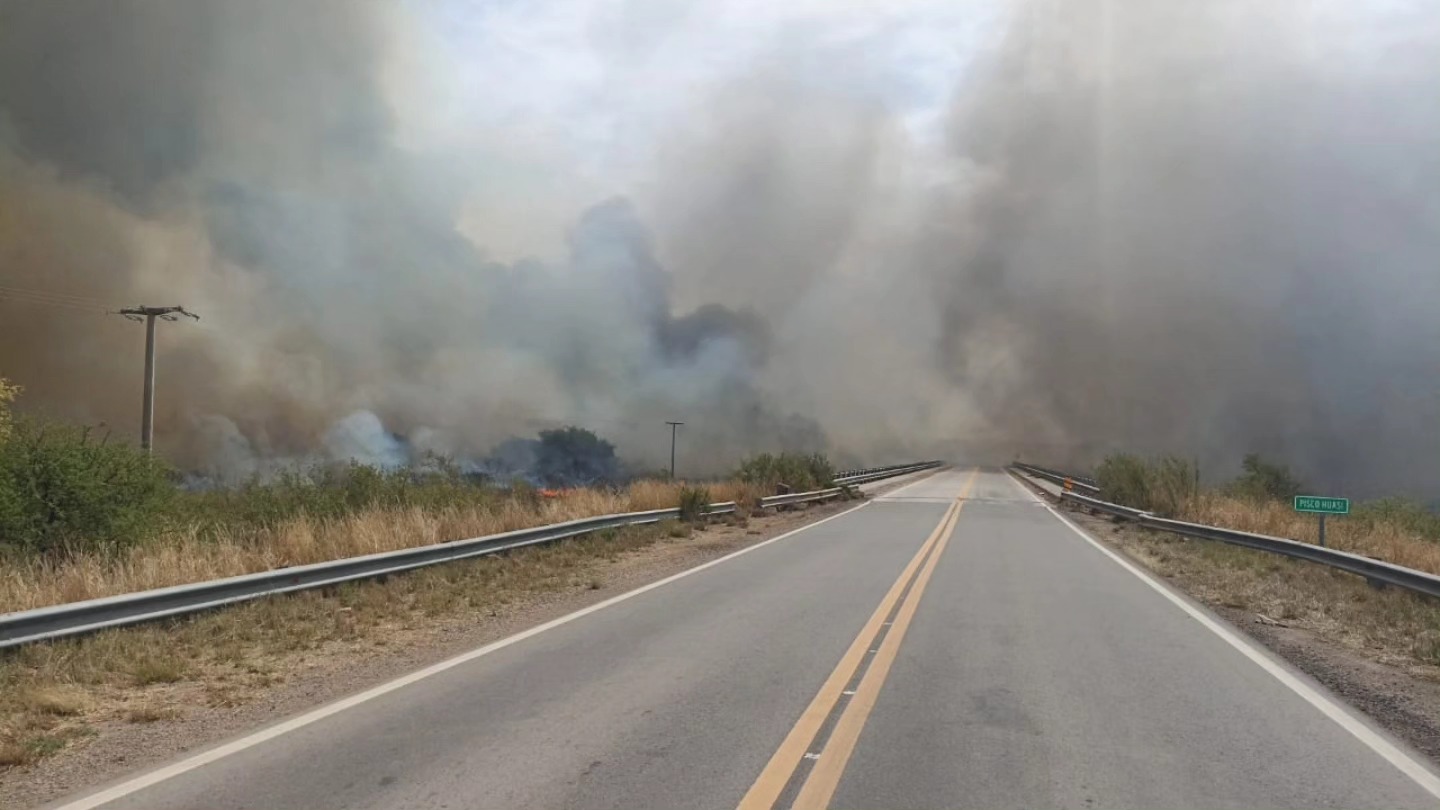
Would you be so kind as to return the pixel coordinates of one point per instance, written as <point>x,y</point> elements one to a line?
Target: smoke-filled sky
<point>912,228</point>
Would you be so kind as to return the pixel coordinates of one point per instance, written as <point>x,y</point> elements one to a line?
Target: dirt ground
<point>138,724</point>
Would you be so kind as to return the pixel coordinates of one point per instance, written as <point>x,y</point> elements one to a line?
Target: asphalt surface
<point>1018,666</point>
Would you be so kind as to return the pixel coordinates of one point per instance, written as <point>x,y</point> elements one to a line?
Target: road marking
<point>771,782</point>
<point>1342,716</point>
<point>251,740</point>
<point>824,778</point>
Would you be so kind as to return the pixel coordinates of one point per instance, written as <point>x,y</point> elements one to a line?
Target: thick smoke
<point>239,158</point>
<point>1165,227</point>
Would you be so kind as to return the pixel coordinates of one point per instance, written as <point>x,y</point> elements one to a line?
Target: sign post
<point>1322,506</point>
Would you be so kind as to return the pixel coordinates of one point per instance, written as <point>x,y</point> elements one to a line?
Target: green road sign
<point>1324,506</point>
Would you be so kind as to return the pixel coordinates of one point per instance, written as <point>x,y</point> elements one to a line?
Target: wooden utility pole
<point>148,315</point>
<point>673,427</point>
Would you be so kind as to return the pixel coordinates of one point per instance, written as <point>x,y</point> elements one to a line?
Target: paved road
<point>910,653</point>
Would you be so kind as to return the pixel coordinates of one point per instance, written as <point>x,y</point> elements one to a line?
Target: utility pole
<point>673,427</point>
<point>148,315</point>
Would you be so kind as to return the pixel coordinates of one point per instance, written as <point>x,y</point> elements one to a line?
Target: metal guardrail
<point>847,474</point>
<point>1080,482</point>
<point>866,476</point>
<point>1377,572</point>
<point>854,478</point>
<point>79,618</point>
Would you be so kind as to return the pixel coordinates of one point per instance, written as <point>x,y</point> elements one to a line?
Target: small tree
<point>574,456</point>
<point>8,392</point>
<point>1264,481</point>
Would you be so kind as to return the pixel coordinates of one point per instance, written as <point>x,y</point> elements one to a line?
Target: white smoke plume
<point>1049,228</point>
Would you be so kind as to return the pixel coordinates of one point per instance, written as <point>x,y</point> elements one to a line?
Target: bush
<point>694,504</point>
<point>798,472</point>
<point>1163,486</point>
<point>1263,481</point>
<point>62,490</point>
<point>332,491</point>
<point>1406,515</point>
<point>8,392</point>
<point>572,456</point>
<point>1123,479</point>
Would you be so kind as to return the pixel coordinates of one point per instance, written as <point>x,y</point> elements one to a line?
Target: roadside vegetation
<point>1396,530</point>
<point>83,516</point>
<point>52,695</point>
<point>792,472</point>
<point>1390,625</point>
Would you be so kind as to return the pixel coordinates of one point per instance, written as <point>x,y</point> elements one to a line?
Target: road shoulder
<point>1308,616</point>
<point>206,709</point>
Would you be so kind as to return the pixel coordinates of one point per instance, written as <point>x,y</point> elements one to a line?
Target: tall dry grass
<point>191,555</point>
<point>1382,539</point>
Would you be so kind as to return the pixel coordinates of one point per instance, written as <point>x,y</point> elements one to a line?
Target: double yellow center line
<point>888,625</point>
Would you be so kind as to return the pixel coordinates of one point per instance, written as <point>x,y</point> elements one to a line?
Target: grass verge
<point>1388,625</point>
<point>199,552</point>
<point>53,694</point>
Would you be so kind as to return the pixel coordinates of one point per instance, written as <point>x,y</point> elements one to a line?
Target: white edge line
<point>1361,730</point>
<point>173,770</point>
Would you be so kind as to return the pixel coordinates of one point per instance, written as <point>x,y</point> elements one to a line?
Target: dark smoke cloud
<point>1164,227</point>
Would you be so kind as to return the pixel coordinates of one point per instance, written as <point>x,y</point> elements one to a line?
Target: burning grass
<point>199,551</point>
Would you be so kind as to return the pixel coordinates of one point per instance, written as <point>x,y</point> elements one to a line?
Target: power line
<point>27,297</point>
<point>61,296</point>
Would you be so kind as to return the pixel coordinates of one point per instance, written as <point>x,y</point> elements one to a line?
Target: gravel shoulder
<point>132,728</point>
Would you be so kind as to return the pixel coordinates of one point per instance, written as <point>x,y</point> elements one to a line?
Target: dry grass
<point>50,693</point>
<point>186,556</point>
<point>1390,625</point>
<point>151,714</point>
<point>1378,539</point>
<point>53,700</point>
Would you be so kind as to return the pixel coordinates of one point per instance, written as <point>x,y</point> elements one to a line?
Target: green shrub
<point>1162,486</point>
<point>1263,481</point>
<point>1124,479</point>
<point>335,490</point>
<point>61,489</point>
<point>1402,513</point>
<point>797,471</point>
<point>694,504</point>
<point>8,392</point>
